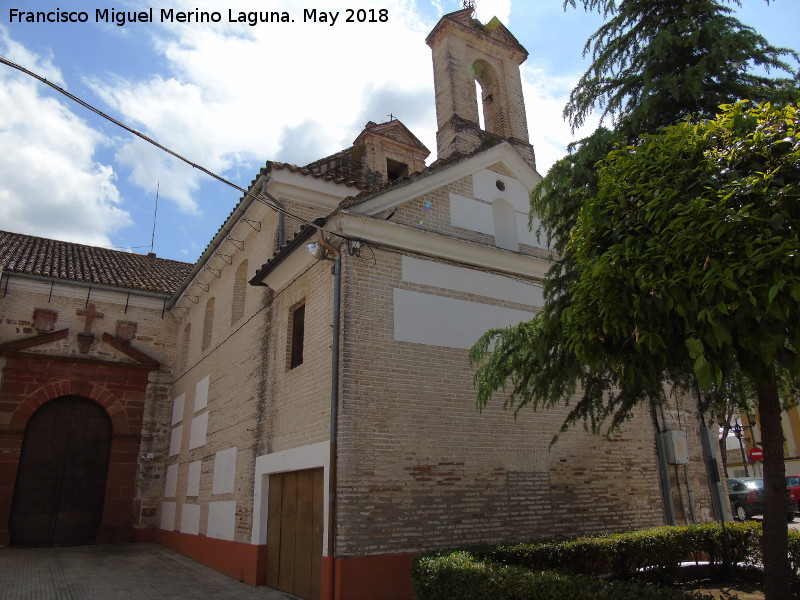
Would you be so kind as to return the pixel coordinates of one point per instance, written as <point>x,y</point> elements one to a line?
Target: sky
<point>230,96</point>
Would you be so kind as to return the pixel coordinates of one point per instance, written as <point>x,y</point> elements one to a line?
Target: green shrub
<point>461,576</point>
<point>569,568</point>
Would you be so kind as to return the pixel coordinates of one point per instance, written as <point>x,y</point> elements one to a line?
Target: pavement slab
<point>140,571</point>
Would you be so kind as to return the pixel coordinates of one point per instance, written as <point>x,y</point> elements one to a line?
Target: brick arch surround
<point>91,390</point>
<point>31,380</point>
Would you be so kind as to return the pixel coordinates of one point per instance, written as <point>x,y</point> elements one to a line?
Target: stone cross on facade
<point>90,313</point>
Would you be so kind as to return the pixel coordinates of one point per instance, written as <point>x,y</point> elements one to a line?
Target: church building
<point>296,409</point>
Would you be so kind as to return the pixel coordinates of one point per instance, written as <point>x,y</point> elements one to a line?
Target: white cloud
<point>486,9</point>
<point>545,98</point>
<point>17,53</point>
<point>50,183</point>
<point>239,93</point>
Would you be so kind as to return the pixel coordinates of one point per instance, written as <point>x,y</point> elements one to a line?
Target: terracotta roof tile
<point>53,259</point>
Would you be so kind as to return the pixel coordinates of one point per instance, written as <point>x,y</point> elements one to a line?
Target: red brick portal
<point>29,381</point>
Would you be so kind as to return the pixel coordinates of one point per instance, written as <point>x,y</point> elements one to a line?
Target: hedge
<point>462,576</point>
<point>569,568</point>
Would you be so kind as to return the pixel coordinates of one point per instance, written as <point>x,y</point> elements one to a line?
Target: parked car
<point>747,499</point>
<point>793,484</point>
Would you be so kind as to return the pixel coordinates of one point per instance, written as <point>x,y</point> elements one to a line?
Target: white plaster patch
<point>439,321</point>
<point>175,440</point>
<point>224,471</point>
<point>197,435</point>
<point>190,519</point>
<point>193,479</point>
<point>527,235</point>
<point>177,408</point>
<point>168,516</point>
<point>221,520</point>
<point>201,394</point>
<point>484,187</point>
<point>471,214</point>
<point>429,272</point>
<point>171,486</point>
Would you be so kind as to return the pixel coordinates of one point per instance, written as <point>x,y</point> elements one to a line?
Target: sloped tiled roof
<point>54,259</point>
<point>270,166</point>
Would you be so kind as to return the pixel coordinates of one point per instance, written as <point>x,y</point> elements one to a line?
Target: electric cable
<point>149,140</point>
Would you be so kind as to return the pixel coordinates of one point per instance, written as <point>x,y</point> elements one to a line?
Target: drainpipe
<point>337,300</point>
<point>663,469</point>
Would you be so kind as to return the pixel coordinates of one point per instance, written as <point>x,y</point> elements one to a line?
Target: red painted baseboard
<point>387,577</point>
<point>245,562</point>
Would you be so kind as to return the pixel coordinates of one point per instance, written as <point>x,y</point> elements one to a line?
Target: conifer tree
<point>655,62</point>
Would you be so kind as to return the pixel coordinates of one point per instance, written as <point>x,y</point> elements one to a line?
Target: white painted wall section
<point>193,479</point>
<point>177,408</point>
<point>224,471</point>
<point>450,322</point>
<point>484,187</point>
<point>168,516</point>
<point>528,235</point>
<point>197,435</point>
<point>477,215</point>
<point>190,519</point>
<point>171,485</point>
<point>221,520</point>
<point>471,214</point>
<point>175,440</point>
<point>201,394</point>
<point>491,285</point>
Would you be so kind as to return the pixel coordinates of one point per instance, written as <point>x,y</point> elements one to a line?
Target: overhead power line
<point>149,140</point>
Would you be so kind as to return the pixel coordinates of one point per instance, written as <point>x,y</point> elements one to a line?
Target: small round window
<point>500,185</point>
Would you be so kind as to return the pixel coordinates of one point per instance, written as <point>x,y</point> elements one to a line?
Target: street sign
<point>756,453</point>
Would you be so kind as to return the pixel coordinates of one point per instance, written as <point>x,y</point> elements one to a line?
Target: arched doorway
<point>61,480</point>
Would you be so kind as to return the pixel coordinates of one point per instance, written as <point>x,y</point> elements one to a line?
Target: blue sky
<point>230,97</point>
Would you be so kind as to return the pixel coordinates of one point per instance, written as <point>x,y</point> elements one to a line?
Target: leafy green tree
<point>691,251</point>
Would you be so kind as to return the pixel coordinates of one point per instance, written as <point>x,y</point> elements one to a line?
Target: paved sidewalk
<point>124,571</point>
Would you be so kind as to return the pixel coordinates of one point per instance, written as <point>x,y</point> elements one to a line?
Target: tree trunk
<point>775,543</point>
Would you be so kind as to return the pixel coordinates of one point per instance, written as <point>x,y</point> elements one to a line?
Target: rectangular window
<point>395,169</point>
<point>298,333</point>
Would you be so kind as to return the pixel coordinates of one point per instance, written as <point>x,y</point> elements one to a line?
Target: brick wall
<point>256,404</point>
<point>419,467</point>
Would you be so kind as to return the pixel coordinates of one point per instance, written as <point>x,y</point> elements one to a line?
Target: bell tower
<point>466,52</point>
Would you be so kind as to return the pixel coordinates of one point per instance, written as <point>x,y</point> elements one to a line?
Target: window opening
<point>395,169</point>
<point>208,324</point>
<point>298,335</point>
<point>239,292</point>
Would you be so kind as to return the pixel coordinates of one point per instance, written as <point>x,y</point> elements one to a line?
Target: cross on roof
<point>91,313</point>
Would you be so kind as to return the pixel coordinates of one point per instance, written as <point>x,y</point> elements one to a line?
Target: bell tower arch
<point>466,52</point>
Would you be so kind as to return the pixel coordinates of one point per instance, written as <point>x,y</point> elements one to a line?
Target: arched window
<point>208,323</point>
<point>489,98</point>
<point>505,225</point>
<point>183,357</point>
<point>239,292</point>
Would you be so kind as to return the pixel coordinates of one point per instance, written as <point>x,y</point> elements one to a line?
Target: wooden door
<point>61,478</point>
<point>294,532</point>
